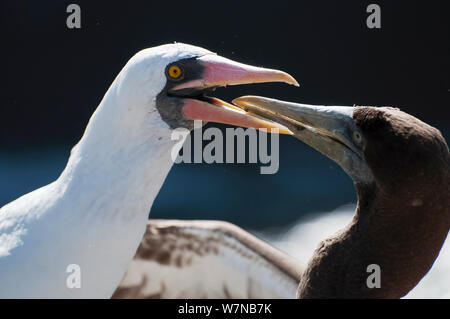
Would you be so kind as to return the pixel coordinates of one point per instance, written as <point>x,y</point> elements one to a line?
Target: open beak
<point>217,72</point>
<point>329,129</point>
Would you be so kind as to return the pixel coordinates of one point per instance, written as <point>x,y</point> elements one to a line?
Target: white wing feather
<point>207,259</point>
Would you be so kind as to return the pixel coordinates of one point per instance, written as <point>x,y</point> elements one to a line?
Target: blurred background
<point>53,79</point>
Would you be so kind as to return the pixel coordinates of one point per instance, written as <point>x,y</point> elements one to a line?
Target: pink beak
<point>219,71</point>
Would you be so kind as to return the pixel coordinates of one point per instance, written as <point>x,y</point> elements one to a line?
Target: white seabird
<point>94,214</point>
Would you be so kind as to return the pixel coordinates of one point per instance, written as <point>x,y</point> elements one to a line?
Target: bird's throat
<point>109,199</point>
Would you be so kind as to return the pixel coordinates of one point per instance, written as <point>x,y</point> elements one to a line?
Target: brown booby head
<point>401,170</point>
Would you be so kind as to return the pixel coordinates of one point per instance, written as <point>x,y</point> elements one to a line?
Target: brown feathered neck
<point>402,218</point>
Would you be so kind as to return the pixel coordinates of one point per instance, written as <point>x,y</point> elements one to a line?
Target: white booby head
<point>94,215</point>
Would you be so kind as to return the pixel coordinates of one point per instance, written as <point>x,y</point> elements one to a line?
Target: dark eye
<point>174,72</point>
<point>357,137</point>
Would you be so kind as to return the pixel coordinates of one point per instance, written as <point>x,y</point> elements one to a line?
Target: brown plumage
<point>401,170</point>
<point>402,218</point>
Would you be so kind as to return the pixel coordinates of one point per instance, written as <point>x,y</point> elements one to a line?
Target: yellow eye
<point>174,72</point>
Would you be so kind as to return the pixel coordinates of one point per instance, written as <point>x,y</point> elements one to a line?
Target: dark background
<point>53,78</point>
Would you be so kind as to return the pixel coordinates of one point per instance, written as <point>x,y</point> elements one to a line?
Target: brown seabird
<point>401,171</point>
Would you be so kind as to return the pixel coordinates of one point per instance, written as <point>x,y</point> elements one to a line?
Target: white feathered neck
<point>94,214</point>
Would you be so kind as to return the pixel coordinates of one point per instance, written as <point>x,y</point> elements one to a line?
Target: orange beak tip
<point>293,81</point>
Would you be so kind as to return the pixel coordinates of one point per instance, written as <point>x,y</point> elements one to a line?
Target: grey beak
<point>329,129</point>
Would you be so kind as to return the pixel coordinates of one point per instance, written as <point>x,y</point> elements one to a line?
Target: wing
<point>207,259</point>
